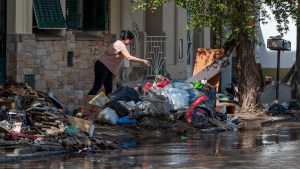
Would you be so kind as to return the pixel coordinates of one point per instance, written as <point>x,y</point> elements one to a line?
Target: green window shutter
<point>107,19</point>
<point>71,14</point>
<point>48,14</point>
<point>95,14</point>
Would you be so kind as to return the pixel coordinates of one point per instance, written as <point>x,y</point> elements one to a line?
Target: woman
<point>110,62</point>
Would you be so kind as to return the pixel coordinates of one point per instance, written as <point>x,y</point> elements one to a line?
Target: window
<point>48,14</point>
<point>87,14</point>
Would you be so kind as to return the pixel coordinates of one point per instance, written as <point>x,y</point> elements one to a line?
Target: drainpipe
<point>190,60</point>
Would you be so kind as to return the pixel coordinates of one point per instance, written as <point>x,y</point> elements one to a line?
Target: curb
<point>285,118</point>
<point>15,157</point>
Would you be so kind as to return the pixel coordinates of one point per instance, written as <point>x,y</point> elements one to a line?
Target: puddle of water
<point>126,144</point>
<point>276,146</point>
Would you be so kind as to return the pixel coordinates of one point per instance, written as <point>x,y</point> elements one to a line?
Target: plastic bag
<point>199,117</point>
<point>126,120</point>
<point>120,109</point>
<point>138,113</point>
<point>193,94</point>
<point>147,86</point>
<point>71,129</point>
<point>183,85</point>
<point>108,116</point>
<point>164,82</point>
<point>159,105</point>
<point>180,98</point>
<point>143,105</point>
<point>124,94</point>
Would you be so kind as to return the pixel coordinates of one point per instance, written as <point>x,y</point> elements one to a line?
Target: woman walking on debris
<point>110,62</point>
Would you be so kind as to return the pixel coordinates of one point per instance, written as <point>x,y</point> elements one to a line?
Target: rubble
<point>33,122</point>
<point>30,122</point>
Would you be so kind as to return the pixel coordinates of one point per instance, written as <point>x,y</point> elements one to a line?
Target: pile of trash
<point>38,121</point>
<point>278,101</point>
<point>161,99</point>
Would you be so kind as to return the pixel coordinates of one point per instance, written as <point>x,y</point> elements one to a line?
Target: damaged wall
<point>47,62</point>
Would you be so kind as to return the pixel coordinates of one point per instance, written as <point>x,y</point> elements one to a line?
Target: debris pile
<point>195,103</point>
<point>32,121</point>
<point>41,122</point>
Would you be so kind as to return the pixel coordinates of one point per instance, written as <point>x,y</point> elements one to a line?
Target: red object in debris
<point>147,86</point>
<point>13,135</point>
<point>189,112</point>
<point>163,83</point>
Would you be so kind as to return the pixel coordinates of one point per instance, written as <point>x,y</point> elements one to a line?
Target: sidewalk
<point>258,120</point>
<point>17,157</point>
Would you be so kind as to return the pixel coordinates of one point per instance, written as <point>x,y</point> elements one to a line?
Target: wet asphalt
<point>275,146</point>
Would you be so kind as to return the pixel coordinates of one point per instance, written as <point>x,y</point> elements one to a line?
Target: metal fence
<point>156,54</point>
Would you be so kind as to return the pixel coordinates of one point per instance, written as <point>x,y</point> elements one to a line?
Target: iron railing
<point>156,54</point>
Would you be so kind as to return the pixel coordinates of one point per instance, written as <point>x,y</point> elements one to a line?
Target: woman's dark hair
<point>126,34</point>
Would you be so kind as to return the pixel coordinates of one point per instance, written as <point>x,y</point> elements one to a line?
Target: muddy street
<point>274,146</point>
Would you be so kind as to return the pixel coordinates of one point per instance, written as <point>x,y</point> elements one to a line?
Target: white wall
<point>268,57</point>
<point>115,16</point>
<point>169,13</point>
<point>174,25</point>
<point>19,17</point>
<point>133,21</point>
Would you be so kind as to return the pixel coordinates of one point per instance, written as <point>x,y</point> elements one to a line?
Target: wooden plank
<point>218,123</point>
<point>41,125</point>
<point>25,150</point>
<point>205,57</point>
<point>51,147</point>
<point>210,71</point>
<point>10,104</point>
<point>51,114</point>
<point>50,123</point>
<point>289,74</point>
<point>4,129</point>
<point>230,107</point>
<point>224,104</point>
<point>215,81</point>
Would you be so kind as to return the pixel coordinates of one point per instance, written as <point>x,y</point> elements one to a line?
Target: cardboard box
<point>83,125</point>
<point>230,107</point>
<point>93,110</point>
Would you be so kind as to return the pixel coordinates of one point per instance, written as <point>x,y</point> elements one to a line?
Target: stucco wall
<point>174,22</point>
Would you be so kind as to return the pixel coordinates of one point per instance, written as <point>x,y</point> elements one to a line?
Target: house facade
<point>3,22</point>
<point>53,44</point>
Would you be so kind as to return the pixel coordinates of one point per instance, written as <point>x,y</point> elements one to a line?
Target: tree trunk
<point>296,76</point>
<point>248,74</point>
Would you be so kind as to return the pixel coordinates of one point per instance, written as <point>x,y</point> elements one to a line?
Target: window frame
<point>87,9</point>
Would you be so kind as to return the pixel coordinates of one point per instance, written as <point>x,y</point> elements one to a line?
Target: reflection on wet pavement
<point>273,147</point>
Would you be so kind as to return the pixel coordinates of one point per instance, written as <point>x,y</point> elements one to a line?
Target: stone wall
<point>46,60</point>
